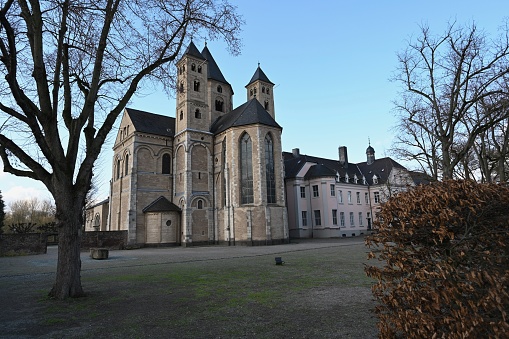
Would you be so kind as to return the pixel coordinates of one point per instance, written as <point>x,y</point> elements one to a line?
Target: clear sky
<point>331,62</point>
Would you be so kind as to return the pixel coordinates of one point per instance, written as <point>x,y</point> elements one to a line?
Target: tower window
<point>197,114</point>
<point>219,105</point>
<point>254,90</point>
<point>181,115</point>
<point>118,168</point>
<point>219,89</point>
<point>200,204</point>
<point>266,105</point>
<point>181,87</point>
<point>267,91</point>
<point>196,86</point>
<point>251,92</point>
<point>199,69</point>
<point>126,164</point>
<point>193,67</point>
<point>263,89</point>
<point>166,164</point>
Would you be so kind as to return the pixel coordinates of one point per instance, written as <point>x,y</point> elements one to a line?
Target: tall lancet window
<point>246,169</point>
<point>269,170</point>
<point>224,171</point>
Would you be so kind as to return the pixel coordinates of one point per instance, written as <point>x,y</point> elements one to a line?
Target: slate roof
<point>161,204</point>
<point>381,167</point>
<point>146,122</point>
<point>213,71</point>
<point>249,113</point>
<point>319,171</point>
<point>193,51</point>
<point>259,75</point>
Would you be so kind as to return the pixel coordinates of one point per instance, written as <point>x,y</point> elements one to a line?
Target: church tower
<point>261,88</point>
<point>193,148</point>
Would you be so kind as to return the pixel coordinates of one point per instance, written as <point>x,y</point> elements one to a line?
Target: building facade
<point>335,198</point>
<point>213,174</point>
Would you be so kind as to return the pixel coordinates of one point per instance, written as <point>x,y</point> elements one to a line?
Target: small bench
<point>99,253</point>
<point>279,261</point>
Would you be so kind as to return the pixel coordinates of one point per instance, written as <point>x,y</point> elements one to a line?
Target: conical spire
<point>193,51</point>
<point>259,75</point>
<point>213,71</point>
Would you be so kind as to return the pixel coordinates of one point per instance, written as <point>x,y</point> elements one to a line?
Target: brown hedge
<point>444,262</point>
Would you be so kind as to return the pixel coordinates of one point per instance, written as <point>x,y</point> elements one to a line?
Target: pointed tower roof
<point>259,75</point>
<point>193,51</point>
<point>251,112</point>
<point>213,71</point>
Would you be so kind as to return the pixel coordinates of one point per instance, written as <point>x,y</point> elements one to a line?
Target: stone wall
<point>109,239</point>
<point>22,244</point>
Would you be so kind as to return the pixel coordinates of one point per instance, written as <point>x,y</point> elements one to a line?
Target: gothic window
<point>199,69</point>
<point>166,164</point>
<point>219,89</point>
<point>269,170</point>
<point>246,169</point>
<point>196,86</point>
<point>193,67</point>
<point>118,168</point>
<point>219,105</point>
<point>266,105</point>
<point>224,171</point>
<point>126,164</point>
<point>181,115</point>
<point>197,114</point>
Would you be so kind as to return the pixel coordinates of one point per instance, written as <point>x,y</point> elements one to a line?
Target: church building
<point>212,174</point>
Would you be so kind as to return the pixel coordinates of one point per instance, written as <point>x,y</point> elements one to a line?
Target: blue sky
<point>331,62</point>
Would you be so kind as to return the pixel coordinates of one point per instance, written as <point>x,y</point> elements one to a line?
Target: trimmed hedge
<point>444,262</point>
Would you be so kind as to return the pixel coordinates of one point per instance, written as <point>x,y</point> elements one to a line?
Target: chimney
<point>295,152</point>
<point>343,156</point>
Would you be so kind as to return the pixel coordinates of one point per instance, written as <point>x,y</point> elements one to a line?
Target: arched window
<point>254,90</point>
<point>196,86</point>
<point>181,115</point>
<point>126,164</point>
<point>269,170</point>
<point>118,168</point>
<point>219,105</point>
<point>97,220</point>
<point>200,204</point>
<point>246,169</point>
<point>199,69</point>
<point>263,89</point>
<point>166,164</point>
<point>219,89</point>
<point>181,87</point>
<point>193,67</point>
<point>267,91</point>
<point>251,92</point>
<point>266,105</point>
<point>197,114</point>
<point>224,171</point>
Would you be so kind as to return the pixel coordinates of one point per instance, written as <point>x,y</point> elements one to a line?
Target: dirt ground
<point>200,292</point>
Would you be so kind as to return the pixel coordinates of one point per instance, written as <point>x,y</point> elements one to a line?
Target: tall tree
<point>2,212</point>
<point>70,68</point>
<point>443,78</point>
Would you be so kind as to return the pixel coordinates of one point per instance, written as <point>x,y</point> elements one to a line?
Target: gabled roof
<point>146,122</point>
<point>161,204</point>
<point>380,167</point>
<point>213,71</point>
<point>251,112</point>
<point>259,75</point>
<point>193,51</point>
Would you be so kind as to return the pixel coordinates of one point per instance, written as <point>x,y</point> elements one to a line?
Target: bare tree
<point>70,69</point>
<point>443,78</point>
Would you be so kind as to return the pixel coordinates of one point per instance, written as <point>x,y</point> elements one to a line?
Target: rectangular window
<point>304,218</point>
<point>352,221</point>
<point>318,218</point>
<point>340,197</point>
<point>334,217</point>
<point>349,197</point>
<point>358,196</point>
<point>332,190</point>
<point>315,191</point>
<point>366,197</point>
<point>303,192</point>
<point>342,219</point>
<point>377,197</point>
<point>360,218</point>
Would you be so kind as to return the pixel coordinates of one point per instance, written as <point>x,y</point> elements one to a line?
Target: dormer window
<point>375,179</point>
<point>355,179</point>
<point>364,180</point>
<point>219,89</point>
<point>193,67</point>
<point>347,178</point>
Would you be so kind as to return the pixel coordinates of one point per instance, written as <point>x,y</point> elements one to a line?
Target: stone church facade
<point>211,175</point>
